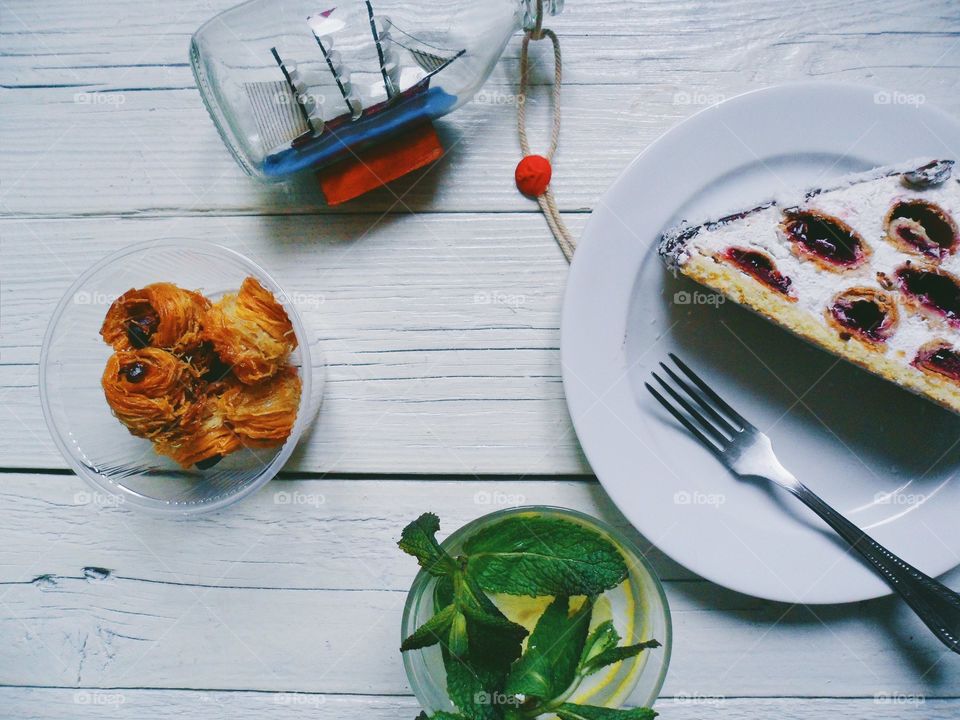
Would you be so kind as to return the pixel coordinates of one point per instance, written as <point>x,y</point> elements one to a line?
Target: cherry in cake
<point>824,239</point>
<point>931,288</point>
<point>760,266</point>
<point>867,268</point>
<point>921,227</point>
<point>863,312</point>
<point>939,357</point>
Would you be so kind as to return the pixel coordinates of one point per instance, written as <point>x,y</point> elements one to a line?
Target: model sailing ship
<point>294,116</point>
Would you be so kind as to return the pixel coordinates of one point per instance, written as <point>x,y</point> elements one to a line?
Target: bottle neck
<point>530,7</point>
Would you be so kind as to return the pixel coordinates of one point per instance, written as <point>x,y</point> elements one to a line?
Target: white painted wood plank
<point>115,44</point>
<point>54,704</point>
<point>158,153</point>
<point>337,535</point>
<point>441,333</point>
<point>142,148</point>
<point>305,596</point>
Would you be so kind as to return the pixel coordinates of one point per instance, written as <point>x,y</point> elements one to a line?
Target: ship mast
<point>343,85</point>
<point>388,84</point>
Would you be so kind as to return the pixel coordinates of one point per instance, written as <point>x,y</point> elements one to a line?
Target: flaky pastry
<point>158,315</point>
<point>149,390</point>
<point>251,332</point>
<point>262,415</point>
<point>203,442</point>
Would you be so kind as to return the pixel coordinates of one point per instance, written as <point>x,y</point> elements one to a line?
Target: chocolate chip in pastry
<point>158,315</point>
<point>149,390</point>
<point>251,332</point>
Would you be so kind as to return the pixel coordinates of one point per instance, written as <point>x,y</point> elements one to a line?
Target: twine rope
<point>547,202</point>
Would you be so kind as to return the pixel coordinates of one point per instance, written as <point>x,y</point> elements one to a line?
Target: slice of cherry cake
<point>868,269</point>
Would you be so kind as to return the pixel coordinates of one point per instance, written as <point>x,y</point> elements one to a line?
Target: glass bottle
<point>298,84</point>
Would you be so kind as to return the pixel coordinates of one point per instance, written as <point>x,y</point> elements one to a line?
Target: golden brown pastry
<point>201,381</point>
<point>149,390</point>
<point>203,442</point>
<point>251,332</point>
<point>262,415</point>
<point>159,315</point>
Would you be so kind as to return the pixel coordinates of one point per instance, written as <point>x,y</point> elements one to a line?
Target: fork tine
<point>731,413</point>
<point>683,420</point>
<point>693,412</point>
<point>717,417</point>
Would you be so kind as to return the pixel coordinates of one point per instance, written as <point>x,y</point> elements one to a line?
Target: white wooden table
<point>438,303</point>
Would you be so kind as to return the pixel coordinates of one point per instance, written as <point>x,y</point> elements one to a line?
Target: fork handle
<point>933,602</point>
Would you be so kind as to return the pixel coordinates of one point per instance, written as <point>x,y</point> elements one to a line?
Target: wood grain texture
<point>440,331</point>
<point>439,319</point>
<point>47,703</point>
<point>93,90</point>
<point>301,588</point>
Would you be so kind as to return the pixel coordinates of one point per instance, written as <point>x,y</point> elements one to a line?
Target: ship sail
<point>291,111</point>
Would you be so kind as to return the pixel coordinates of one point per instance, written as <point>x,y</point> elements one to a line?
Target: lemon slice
<point>526,611</point>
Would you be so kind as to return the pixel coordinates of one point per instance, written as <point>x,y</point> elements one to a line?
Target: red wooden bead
<point>533,175</point>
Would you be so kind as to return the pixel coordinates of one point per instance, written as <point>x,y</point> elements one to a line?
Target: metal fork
<point>748,453</point>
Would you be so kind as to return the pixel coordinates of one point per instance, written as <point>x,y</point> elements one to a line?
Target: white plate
<point>880,455</point>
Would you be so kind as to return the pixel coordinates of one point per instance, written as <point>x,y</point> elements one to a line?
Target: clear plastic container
<point>638,608</point>
<point>297,84</point>
<point>126,469</point>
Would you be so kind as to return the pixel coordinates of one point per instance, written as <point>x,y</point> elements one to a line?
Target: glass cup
<point>638,608</point>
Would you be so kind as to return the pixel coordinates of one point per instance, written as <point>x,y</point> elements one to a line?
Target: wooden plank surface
<point>101,115</point>
<point>440,332</point>
<point>45,704</point>
<point>439,320</point>
<point>301,589</point>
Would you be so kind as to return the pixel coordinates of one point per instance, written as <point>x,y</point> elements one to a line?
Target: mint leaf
<point>616,654</point>
<point>474,690</point>
<point>458,644</point>
<point>604,637</point>
<point>477,672</point>
<point>549,665</point>
<point>432,631</point>
<point>467,686</point>
<point>440,715</point>
<point>569,711</point>
<point>418,539</point>
<point>534,555</point>
<point>495,641</point>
